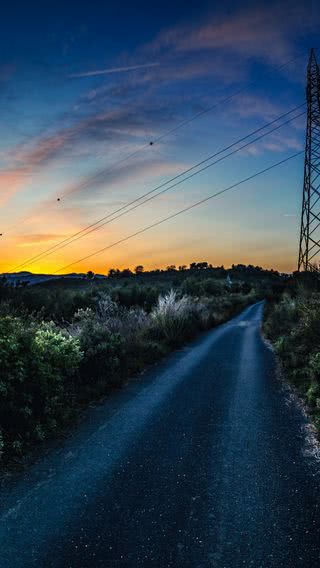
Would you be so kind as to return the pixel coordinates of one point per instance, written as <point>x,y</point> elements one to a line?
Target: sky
<point>86,86</point>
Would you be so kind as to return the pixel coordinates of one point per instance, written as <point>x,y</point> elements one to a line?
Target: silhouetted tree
<point>113,272</point>
<point>198,265</point>
<point>139,269</point>
<point>126,273</point>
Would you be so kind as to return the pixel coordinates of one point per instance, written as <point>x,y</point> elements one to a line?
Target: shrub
<point>294,326</point>
<point>194,286</point>
<point>315,366</point>
<point>115,343</point>
<point>118,319</point>
<point>103,353</point>
<point>144,296</point>
<point>57,357</point>
<point>36,362</point>
<point>175,318</point>
<point>281,317</point>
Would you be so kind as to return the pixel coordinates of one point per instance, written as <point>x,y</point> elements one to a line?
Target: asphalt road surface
<point>201,463</point>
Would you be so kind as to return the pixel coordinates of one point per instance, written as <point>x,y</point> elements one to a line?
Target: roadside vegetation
<point>64,344</point>
<point>292,323</point>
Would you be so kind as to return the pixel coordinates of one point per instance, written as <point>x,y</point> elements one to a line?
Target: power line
<point>105,171</point>
<point>181,124</point>
<point>225,100</point>
<point>177,183</point>
<point>96,226</point>
<point>169,217</point>
<point>99,224</point>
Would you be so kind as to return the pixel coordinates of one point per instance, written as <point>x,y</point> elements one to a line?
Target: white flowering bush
<point>173,316</point>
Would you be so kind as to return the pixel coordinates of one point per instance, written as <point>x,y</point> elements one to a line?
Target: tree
<point>198,265</point>
<point>182,267</point>
<point>113,272</point>
<point>171,268</point>
<point>126,273</point>
<point>139,269</point>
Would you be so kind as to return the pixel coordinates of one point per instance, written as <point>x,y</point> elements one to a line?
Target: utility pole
<point>309,247</point>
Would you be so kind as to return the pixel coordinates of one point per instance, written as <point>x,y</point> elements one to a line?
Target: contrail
<point>112,70</point>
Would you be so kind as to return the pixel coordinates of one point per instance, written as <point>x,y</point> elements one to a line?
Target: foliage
<point>293,324</point>
<point>175,319</point>
<point>63,345</point>
<point>103,351</point>
<point>38,363</point>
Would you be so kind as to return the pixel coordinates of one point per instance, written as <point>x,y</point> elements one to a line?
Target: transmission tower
<point>309,249</point>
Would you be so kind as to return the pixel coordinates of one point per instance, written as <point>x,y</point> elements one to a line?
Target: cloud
<point>247,105</point>
<point>12,181</point>
<point>29,240</point>
<point>277,142</point>
<point>149,100</point>
<point>259,32</point>
<point>44,149</point>
<point>108,193</point>
<point>112,70</point>
<point>139,171</point>
<point>86,136</point>
<point>127,123</point>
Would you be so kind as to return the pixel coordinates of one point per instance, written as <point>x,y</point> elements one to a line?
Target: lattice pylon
<point>309,248</point>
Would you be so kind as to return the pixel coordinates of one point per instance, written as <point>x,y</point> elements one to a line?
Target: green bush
<point>134,295</point>
<point>193,286</point>
<point>103,353</point>
<point>37,366</point>
<point>293,324</point>
<point>281,317</point>
<point>315,366</point>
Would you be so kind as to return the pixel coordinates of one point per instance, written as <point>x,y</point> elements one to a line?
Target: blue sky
<point>83,86</point>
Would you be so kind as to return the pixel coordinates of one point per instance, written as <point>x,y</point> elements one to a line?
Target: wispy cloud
<point>108,192</point>
<point>139,171</point>
<point>128,123</point>
<point>260,32</point>
<point>12,181</point>
<point>44,148</point>
<point>112,70</point>
<point>34,239</point>
<point>277,142</point>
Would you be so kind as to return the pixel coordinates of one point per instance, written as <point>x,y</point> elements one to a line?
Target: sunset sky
<point>85,84</point>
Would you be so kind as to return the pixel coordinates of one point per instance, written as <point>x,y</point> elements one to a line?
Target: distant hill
<point>31,279</point>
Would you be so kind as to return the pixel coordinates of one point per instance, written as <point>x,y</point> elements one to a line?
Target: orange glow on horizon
<point>100,267</point>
